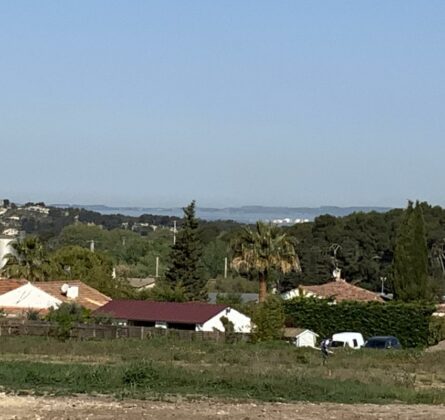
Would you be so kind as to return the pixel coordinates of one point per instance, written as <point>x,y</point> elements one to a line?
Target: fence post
<point>142,333</point>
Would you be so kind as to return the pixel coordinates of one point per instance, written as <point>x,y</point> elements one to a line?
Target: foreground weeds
<point>269,372</point>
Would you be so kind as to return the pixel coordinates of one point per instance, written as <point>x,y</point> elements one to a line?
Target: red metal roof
<point>142,310</point>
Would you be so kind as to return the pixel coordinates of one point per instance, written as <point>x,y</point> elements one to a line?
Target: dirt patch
<point>438,347</point>
<point>76,408</point>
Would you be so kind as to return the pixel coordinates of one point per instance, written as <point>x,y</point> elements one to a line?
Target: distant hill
<point>244,214</point>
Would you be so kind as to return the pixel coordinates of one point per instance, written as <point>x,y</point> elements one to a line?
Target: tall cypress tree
<point>185,258</point>
<point>410,266</point>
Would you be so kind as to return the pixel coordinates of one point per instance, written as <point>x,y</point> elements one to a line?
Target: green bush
<point>268,319</point>
<point>229,329</point>
<point>140,374</point>
<point>65,317</point>
<point>409,322</point>
<point>436,330</point>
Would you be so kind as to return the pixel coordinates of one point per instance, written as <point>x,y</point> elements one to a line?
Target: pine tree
<point>410,267</point>
<point>185,258</point>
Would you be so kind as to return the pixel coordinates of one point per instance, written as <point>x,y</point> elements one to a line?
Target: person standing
<point>324,347</point>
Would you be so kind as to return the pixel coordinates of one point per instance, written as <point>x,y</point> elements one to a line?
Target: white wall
<point>5,249</point>
<point>306,339</point>
<point>241,322</point>
<point>296,293</point>
<point>27,297</point>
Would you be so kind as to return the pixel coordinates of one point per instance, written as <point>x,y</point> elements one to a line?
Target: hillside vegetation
<point>361,244</point>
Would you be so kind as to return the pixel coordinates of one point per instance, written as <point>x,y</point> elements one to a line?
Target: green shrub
<point>229,330</point>
<point>436,330</point>
<point>140,374</point>
<point>65,317</point>
<point>33,315</point>
<point>268,319</point>
<point>409,322</point>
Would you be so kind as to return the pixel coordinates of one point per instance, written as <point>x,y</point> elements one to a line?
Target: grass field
<point>270,372</point>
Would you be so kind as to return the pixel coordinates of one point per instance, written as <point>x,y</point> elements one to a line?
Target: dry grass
<point>275,372</point>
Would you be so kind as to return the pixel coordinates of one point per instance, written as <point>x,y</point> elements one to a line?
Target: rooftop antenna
<point>337,274</point>
<point>64,288</point>
<point>334,248</point>
<point>383,279</point>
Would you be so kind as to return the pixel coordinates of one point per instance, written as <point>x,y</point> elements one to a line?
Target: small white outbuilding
<point>300,337</point>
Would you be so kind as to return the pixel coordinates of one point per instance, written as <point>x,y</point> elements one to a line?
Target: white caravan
<point>352,340</point>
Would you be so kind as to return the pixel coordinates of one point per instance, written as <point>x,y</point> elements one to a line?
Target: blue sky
<point>155,103</point>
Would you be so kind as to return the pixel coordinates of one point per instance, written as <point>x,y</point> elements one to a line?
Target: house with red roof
<point>20,296</point>
<point>194,316</point>
<point>338,290</point>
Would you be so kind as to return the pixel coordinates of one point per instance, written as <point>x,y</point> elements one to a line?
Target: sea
<point>244,214</point>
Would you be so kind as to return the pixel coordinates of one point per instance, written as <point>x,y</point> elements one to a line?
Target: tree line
<point>403,246</point>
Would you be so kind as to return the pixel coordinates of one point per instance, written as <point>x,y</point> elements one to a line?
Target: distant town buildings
<point>288,221</point>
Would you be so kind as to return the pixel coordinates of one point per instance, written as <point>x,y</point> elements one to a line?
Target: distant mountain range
<point>244,214</point>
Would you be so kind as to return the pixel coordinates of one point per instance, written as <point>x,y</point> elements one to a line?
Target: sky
<point>277,103</point>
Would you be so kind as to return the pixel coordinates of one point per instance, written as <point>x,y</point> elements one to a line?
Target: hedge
<point>409,322</point>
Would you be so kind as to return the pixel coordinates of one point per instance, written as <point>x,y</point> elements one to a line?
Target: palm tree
<point>27,260</point>
<point>263,249</point>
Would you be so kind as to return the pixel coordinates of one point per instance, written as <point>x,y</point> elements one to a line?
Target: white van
<point>352,340</point>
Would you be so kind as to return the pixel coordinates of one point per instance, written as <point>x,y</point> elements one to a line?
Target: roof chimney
<point>73,292</point>
<point>337,274</point>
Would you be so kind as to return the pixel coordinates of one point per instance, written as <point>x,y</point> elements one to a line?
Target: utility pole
<point>157,267</point>
<point>225,267</point>
<point>174,232</point>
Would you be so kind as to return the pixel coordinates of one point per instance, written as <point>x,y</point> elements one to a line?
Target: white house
<point>5,249</point>
<point>301,337</point>
<point>194,316</point>
<point>337,290</point>
<point>20,296</point>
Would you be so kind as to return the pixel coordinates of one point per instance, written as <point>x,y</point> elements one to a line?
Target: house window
<point>181,326</point>
<point>142,323</point>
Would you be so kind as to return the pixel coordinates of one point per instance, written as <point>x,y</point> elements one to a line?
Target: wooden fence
<point>90,331</point>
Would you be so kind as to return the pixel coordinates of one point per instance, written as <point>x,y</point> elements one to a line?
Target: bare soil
<point>30,407</point>
<point>438,347</point>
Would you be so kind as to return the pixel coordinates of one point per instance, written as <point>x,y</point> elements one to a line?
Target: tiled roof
<point>141,282</point>
<point>292,332</point>
<point>181,313</point>
<point>7,285</point>
<point>12,312</point>
<point>245,297</point>
<point>340,290</point>
<point>89,297</point>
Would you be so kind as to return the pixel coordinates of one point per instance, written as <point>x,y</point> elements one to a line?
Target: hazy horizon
<point>181,205</point>
<point>290,103</point>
